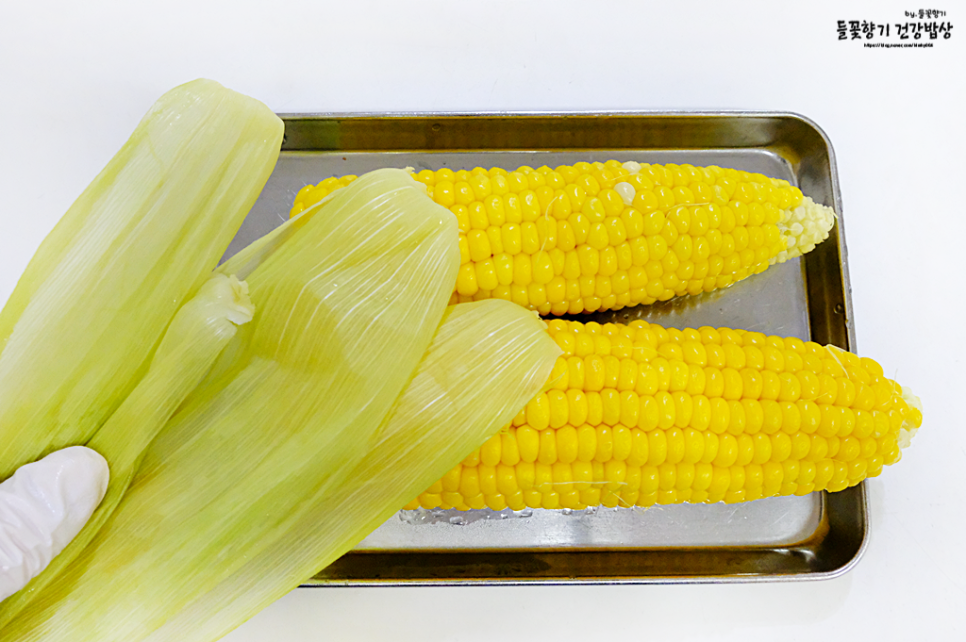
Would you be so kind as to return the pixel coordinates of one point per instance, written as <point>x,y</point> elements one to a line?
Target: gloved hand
<point>42,508</point>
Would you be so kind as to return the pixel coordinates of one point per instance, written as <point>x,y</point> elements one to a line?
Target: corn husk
<point>197,335</point>
<point>79,330</point>
<point>487,360</point>
<point>344,311</point>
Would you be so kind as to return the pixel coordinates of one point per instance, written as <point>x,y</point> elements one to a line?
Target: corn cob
<point>639,415</point>
<point>602,236</point>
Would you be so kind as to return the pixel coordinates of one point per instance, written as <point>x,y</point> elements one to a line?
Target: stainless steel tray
<point>786,538</point>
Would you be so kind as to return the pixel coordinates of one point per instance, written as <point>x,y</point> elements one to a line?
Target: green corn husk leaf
<point>344,310</point>
<point>192,343</point>
<point>80,327</point>
<point>487,360</point>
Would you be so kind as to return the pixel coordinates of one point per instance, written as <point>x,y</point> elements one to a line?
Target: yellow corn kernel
<point>486,276</point>
<point>490,452</point>
<point>542,267</point>
<point>466,281</point>
<point>509,447</point>
<point>567,444</point>
<point>547,450</point>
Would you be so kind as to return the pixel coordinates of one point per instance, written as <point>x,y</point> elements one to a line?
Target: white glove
<point>42,508</point>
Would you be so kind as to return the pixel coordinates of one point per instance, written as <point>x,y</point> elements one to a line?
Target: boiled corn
<point>602,236</point>
<point>639,415</point>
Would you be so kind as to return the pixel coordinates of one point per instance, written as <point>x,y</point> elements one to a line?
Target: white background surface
<point>76,77</point>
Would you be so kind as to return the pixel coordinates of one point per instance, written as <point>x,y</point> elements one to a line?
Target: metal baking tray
<point>786,538</point>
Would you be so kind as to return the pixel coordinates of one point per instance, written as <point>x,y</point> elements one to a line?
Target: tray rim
<point>329,115</point>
